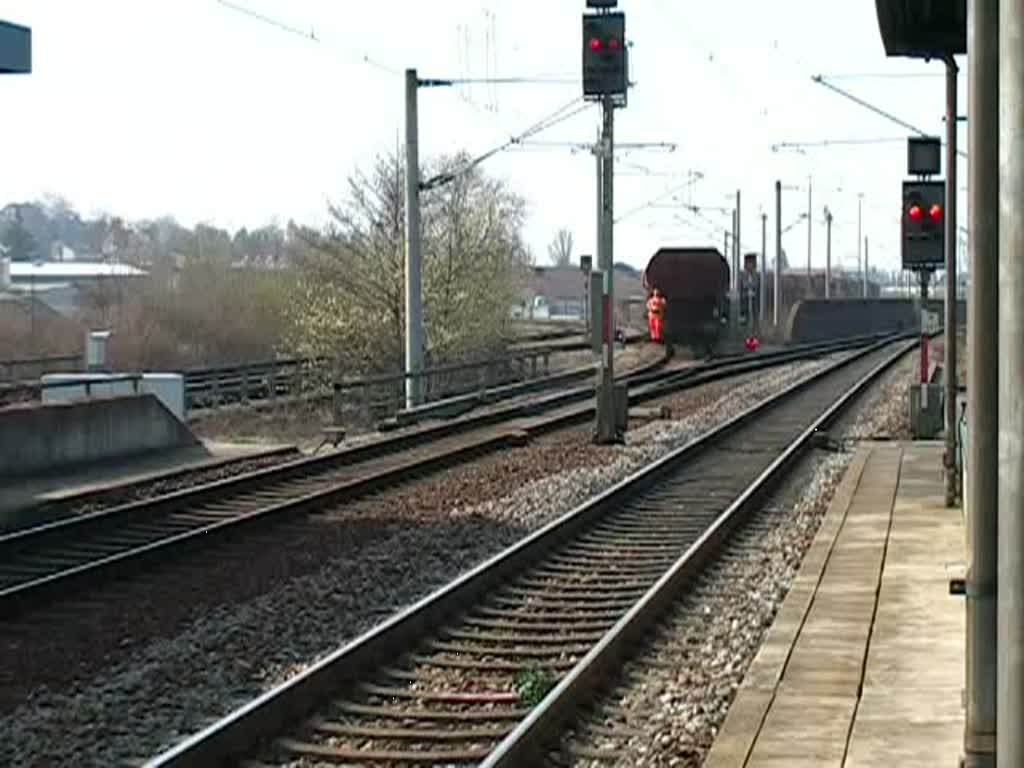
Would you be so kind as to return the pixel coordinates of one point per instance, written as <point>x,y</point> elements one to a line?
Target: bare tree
<point>353,280</point>
<point>560,249</point>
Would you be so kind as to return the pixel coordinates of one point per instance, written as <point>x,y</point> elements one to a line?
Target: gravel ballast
<point>241,636</point>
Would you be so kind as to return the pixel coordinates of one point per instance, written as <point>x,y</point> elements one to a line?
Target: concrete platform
<point>864,664</point>
<point>21,498</point>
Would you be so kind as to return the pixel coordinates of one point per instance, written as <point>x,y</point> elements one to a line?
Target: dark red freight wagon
<point>695,284</point>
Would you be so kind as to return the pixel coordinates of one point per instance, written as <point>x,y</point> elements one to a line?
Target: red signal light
<point>595,44</point>
<point>613,43</point>
<point>935,212</point>
<point>914,212</point>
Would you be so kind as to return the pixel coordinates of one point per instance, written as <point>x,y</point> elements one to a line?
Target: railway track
<point>64,558</point>
<point>456,678</point>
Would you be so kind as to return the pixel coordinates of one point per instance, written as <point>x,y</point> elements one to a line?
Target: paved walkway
<point>863,665</point>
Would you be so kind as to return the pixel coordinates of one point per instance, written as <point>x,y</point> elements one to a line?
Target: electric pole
<point>605,80</point>
<point>737,259</point>
<point>413,247</point>
<point>778,254</point>
<point>606,427</point>
<point>860,259</point>
<point>810,225</point>
<point>828,253</point>
<point>950,373</point>
<point>762,294</point>
<point>865,267</point>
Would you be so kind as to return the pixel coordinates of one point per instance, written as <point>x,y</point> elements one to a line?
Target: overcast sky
<point>187,107</point>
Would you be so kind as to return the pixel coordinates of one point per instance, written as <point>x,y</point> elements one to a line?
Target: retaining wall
<point>819,320</point>
<point>43,438</point>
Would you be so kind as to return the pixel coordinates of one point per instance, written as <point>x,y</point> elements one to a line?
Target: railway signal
<point>604,55</point>
<point>605,80</point>
<point>923,224</point>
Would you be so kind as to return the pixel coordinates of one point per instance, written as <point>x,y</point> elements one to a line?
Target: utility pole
<point>828,253</point>
<point>860,259</point>
<point>950,373</point>
<point>778,254</point>
<point>762,295</point>
<point>981,497</point>
<point>413,247</point>
<point>810,225</point>
<point>1010,640</point>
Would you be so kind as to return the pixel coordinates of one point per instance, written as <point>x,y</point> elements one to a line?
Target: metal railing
<point>376,396</point>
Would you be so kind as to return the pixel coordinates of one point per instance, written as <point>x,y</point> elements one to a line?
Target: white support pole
<point>413,247</point>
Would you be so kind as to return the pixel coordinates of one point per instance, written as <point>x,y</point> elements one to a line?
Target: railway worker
<point>655,314</point>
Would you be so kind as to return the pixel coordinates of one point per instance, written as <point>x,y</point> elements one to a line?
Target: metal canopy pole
<point>413,246</point>
<point>950,373</point>
<point>982,449</point>
<point>1010,635</point>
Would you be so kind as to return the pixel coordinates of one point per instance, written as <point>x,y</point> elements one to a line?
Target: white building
<point>65,285</point>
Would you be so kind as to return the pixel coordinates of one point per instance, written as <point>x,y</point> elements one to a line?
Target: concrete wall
<point>819,320</point>
<point>43,438</point>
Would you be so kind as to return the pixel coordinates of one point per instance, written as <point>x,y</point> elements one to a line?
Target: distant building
<point>560,292</point>
<point>66,285</point>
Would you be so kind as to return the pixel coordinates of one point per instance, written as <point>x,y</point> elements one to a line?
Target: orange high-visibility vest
<point>656,305</point>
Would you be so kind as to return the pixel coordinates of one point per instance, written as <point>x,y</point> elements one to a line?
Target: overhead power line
<point>310,35</point>
<point>835,142</point>
<point>560,115</point>
<point>820,80</point>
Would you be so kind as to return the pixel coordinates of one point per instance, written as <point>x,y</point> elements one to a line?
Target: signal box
<point>923,224</point>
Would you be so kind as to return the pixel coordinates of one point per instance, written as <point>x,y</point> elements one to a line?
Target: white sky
<point>186,107</point>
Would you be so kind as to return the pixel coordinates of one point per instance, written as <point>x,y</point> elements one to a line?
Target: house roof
<point>569,283</point>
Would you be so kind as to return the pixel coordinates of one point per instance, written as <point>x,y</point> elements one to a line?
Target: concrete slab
<point>864,665</point>
<point>20,501</point>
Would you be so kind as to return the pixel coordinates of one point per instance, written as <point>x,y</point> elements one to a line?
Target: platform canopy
<point>15,49</point>
<point>928,29</point>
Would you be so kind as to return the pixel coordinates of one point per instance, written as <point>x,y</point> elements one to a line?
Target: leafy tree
<point>560,249</point>
<point>18,243</point>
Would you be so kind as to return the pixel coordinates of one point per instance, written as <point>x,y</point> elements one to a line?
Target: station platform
<point>864,664</point>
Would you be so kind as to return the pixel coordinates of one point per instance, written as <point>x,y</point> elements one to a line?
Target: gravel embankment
<point>679,691</point>
<point>150,671</point>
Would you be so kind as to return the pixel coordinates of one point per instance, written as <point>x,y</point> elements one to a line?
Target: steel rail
<point>268,714</point>
<point>83,553</point>
<point>529,742</point>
